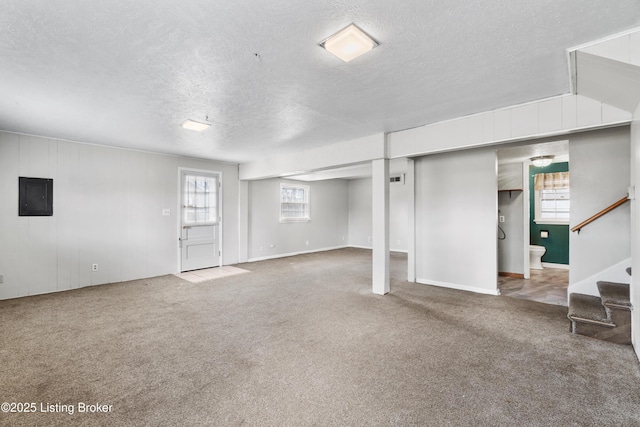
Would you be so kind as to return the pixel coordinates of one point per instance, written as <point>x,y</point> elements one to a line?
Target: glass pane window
<point>552,206</point>
<point>200,200</point>
<point>294,203</point>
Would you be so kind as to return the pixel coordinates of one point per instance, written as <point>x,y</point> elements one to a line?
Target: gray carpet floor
<point>303,341</point>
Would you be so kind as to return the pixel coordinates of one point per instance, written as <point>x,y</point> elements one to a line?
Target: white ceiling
<point>522,152</point>
<point>127,73</point>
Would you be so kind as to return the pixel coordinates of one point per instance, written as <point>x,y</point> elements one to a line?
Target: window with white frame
<point>552,198</point>
<point>294,203</point>
<point>200,205</point>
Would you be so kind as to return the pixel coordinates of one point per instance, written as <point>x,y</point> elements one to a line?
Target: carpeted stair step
<point>629,271</point>
<point>591,317</point>
<point>588,308</point>
<point>614,294</point>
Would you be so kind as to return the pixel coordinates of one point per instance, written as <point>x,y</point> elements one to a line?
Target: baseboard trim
<point>514,275</point>
<point>458,287</point>
<point>554,265</point>
<point>402,251</point>
<point>359,247</point>
<point>264,258</point>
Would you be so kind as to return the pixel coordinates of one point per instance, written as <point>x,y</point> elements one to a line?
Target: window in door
<point>200,200</point>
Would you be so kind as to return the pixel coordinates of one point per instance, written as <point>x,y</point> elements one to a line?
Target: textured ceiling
<point>127,73</point>
<point>523,152</point>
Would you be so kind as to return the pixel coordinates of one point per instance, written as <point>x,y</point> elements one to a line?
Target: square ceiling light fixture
<point>349,43</point>
<point>193,125</point>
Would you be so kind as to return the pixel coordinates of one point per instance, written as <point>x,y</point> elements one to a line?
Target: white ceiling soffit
<point>613,82</point>
<point>362,170</point>
<point>127,74</point>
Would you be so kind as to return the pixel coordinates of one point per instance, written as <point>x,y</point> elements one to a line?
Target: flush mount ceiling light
<point>349,43</point>
<point>542,161</point>
<point>193,125</point>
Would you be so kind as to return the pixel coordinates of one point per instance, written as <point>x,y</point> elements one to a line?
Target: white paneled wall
<point>537,119</point>
<point>327,229</point>
<point>635,230</point>
<point>456,205</point>
<point>107,210</point>
<point>600,176</point>
<point>625,48</point>
<point>360,215</point>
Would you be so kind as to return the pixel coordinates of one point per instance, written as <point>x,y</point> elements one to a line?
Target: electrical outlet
<point>166,212</point>
<point>501,218</point>
<point>94,267</point>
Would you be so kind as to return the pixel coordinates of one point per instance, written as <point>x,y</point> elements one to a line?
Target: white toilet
<point>535,256</point>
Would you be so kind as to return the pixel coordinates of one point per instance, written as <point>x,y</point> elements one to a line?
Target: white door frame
<point>182,169</point>
<point>526,217</point>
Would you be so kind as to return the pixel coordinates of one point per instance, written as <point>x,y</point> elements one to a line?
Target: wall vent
<point>396,179</point>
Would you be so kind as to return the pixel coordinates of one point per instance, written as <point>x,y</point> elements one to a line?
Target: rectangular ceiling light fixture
<point>349,43</point>
<point>193,125</point>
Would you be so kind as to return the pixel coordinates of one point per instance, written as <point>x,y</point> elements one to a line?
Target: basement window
<point>294,203</point>
<point>552,198</point>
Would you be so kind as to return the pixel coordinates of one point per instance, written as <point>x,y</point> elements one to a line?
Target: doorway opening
<point>533,222</point>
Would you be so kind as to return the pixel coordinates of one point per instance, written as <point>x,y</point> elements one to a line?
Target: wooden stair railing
<point>603,212</point>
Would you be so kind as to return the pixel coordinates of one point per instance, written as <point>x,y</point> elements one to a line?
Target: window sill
<point>550,222</point>
<point>286,220</point>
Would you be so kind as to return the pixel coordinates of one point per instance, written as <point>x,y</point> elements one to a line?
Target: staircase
<point>607,317</point>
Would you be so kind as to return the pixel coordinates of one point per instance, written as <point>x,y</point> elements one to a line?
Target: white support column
<point>409,181</point>
<point>380,222</point>
<point>243,221</point>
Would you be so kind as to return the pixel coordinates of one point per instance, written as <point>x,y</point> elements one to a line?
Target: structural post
<point>243,221</point>
<point>380,223</point>
<point>409,181</point>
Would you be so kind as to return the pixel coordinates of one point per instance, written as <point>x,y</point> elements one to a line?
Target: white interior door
<point>200,223</point>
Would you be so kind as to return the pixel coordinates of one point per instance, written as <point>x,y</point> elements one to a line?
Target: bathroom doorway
<point>533,223</point>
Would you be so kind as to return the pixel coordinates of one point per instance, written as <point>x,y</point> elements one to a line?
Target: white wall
<point>107,210</point>
<point>456,205</point>
<point>600,171</point>
<point>360,191</point>
<point>635,231</point>
<point>360,212</point>
<point>327,229</point>
<point>511,207</point>
<point>510,250</point>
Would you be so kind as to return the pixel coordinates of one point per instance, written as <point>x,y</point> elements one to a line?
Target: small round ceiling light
<point>541,161</point>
